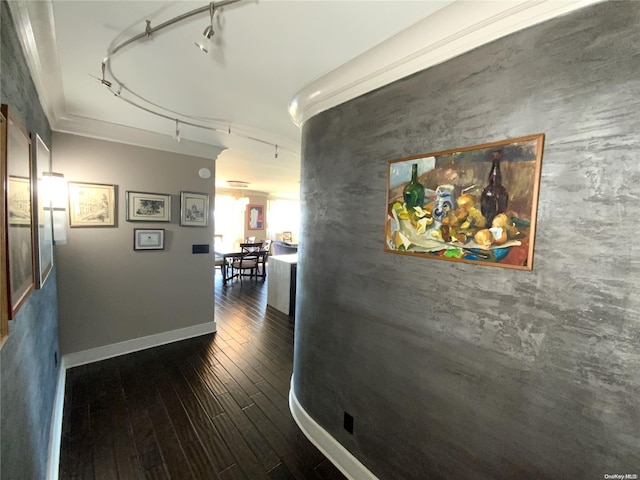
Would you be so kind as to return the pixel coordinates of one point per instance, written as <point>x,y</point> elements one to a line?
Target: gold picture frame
<point>19,221</point>
<point>474,204</point>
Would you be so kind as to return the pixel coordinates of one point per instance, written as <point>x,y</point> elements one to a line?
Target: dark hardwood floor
<point>212,407</point>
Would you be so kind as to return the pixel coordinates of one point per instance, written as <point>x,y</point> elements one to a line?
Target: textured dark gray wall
<point>27,372</point>
<point>463,371</point>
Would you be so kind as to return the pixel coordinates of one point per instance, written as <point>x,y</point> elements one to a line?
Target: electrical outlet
<point>348,423</point>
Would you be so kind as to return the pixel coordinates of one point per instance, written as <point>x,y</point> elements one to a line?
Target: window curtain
<point>283,215</point>
<point>229,223</point>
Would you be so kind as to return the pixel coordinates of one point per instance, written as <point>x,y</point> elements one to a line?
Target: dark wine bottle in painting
<point>413,191</point>
<point>494,199</point>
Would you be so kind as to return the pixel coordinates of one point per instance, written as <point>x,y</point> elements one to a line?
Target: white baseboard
<point>349,465</point>
<point>55,435</point>
<point>137,344</point>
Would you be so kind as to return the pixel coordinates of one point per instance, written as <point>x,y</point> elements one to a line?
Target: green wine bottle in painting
<point>494,199</point>
<point>414,191</point>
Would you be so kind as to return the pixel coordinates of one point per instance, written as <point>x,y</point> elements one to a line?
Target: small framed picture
<point>148,239</point>
<point>148,207</point>
<point>92,205</point>
<point>255,217</point>
<point>287,237</point>
<point>19,201</point>
<point>194,209</point>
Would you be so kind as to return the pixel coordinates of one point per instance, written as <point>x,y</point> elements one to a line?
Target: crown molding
<point>455,29</point>
<point>87,127</point>
<point>35,28</point>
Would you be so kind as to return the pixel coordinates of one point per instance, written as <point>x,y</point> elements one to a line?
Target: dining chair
<point>262,259</point>
<point>248,260</point>
<point>250,247</point>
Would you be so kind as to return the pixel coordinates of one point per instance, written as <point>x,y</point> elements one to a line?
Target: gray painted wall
<point>28,372</point>
<point>110,293</point>
<point>463,371</point>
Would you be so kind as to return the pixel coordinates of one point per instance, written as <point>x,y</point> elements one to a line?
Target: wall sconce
<point>55,193</point>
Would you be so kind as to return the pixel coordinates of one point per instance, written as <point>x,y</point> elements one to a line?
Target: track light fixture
<point>204,42</point>
<point>118,88</point>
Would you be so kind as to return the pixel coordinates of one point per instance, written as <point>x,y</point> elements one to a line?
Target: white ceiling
<point>265,54</point>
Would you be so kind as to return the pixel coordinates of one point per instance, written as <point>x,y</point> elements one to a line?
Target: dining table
<point>229,257</point>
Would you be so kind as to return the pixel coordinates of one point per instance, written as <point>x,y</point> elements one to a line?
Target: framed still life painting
<point>474,204</point>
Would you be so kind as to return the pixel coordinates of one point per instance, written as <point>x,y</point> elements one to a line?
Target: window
<point>229,223</point>
<point>283,215</point>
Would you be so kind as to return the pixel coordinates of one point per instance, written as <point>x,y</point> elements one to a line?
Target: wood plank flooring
<point>212,407</point>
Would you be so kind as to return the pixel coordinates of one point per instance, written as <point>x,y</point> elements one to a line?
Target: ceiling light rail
<point>149,30</point>
<point>152,107</point>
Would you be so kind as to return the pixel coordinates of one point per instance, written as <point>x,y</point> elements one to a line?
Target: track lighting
<point>177,135</point>
<point>126,94</point>
<point>204,42</point>
<point>103,80</point>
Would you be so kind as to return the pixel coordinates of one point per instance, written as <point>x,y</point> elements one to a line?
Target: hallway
<point>212,407</point>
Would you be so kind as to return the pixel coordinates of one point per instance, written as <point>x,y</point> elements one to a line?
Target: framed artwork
<point>4,282</point>
<point>473,204</point>
<point>20,235</point>
<point>287,237</point>
<point>92,205</point>
<point>148,207</point>
<point>255,217</point>
<point>19,200</point>
<point>41,164</point>
<point>148,239</point>
<point>194,209</point>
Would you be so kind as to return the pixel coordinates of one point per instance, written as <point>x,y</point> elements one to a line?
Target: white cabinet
<point>281,284</point>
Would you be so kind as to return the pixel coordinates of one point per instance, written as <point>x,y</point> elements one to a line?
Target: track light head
<point>204,42</point>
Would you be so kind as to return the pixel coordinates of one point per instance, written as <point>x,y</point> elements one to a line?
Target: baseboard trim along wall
<point>136,344</point>
<point>102,353</point>
<point>55,436</point>
<point>349,465</point>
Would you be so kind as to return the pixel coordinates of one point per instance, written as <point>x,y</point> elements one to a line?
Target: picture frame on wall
<point>4,282</point>
<point>20,230</point>
<point>19,200</point>
<point>194,209</point>
<point>148,207</point>
<point>474,204</point>
<point>92,205</point>
<point>255,217</point>
<point>148,238</point>
<point>41,163</point>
